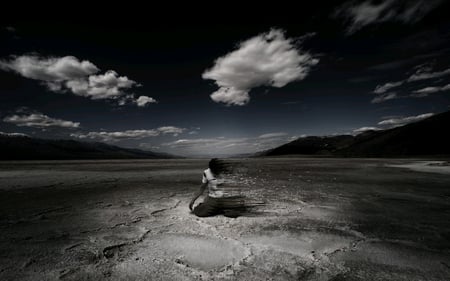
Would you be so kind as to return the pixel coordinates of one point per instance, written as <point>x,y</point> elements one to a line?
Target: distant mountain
<point>428,137</point>
<point>22,147</point>
<point>312,146</point>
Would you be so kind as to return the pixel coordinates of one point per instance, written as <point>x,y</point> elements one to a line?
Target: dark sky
<point>341,69</point>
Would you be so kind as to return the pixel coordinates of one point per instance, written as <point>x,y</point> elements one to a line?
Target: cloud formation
<point>80,77</point>
<point>365,129</point>
<point>144,100</point>
<point>393,122</point>
<point>129,134</point>
<point>430,90</point>
<point>400,121</point>
<point>369,12</point>
<point>3,134</point>
<point>422,73</point>
<point>269,59</point>
<point>39,120</point>
<point>380,89</point>
<point>384,97</point>
<point>226,146</point>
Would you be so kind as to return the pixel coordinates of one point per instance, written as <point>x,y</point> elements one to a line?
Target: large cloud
<point>373,12</point>
<point>269,59</point>
<point>62,74</point>
<point>129,134</point>
<point>39,120</point>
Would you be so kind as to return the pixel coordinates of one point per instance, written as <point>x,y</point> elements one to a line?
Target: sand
<point>324,219</point>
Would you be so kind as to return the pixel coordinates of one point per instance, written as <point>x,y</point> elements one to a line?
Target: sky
<point>227,89</point>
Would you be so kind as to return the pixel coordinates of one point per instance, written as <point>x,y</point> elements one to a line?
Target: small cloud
<point>3,134</point>
<point>269,59</point>
<point>381,89</point>
<point>272,135</point>
<point>129,134</point>
<point>144,100</point>
<point>384,97</point>
<point>10,29</point>
<point>365,129</point>
<point>430,90</point>
<point>400,121</point>
<point>423,74</point>
<point>368,12</point>
<point>171,130</point>
<point>39,120</point>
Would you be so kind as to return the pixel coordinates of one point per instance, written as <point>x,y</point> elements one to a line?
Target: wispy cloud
<point>424,72</point>
<point>368,12</point>
<point>129,134</point>
<point>384,97</point>
<point>3,134</point>
<point>80,77</point>
<point>269,59</point>
<point>400,121</point>
<point>366,129</point>
<point>430,90</point>
<point>11,29</point>
<point>272,135</point>
<point>38,120</point>
<point>393,122</point>
<point>224,145</point>
<point>380,89</point>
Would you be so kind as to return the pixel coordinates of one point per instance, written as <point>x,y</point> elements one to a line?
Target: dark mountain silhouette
<point>21,147</point>
<point>424,138</point>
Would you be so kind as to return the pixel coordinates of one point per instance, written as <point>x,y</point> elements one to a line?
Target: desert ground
<point>323,219</point>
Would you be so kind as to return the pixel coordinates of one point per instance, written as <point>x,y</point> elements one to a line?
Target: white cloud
<point>38,120</point>
<point>62,74</point>
<point>375,12</point>
<point>395,122</point>
<point>380,89</point>
<point>226,146</point>
<point>269,59</point>
<point>272,135</point>
<point>129,134</point>
<point>144,100</point>
<point>50,69</point>
<point>423,75</point>
<point>365,129</point>
<point>384,97</point>
<point>171,130</point>
<point>103,86</point>
<point>3,134</point>
<point>430,90</point>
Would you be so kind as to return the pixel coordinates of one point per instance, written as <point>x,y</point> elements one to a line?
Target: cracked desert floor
<point>324,219</point>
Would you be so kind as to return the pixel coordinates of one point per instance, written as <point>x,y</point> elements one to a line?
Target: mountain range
<point>427,137</point>
<point>23,147</point>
